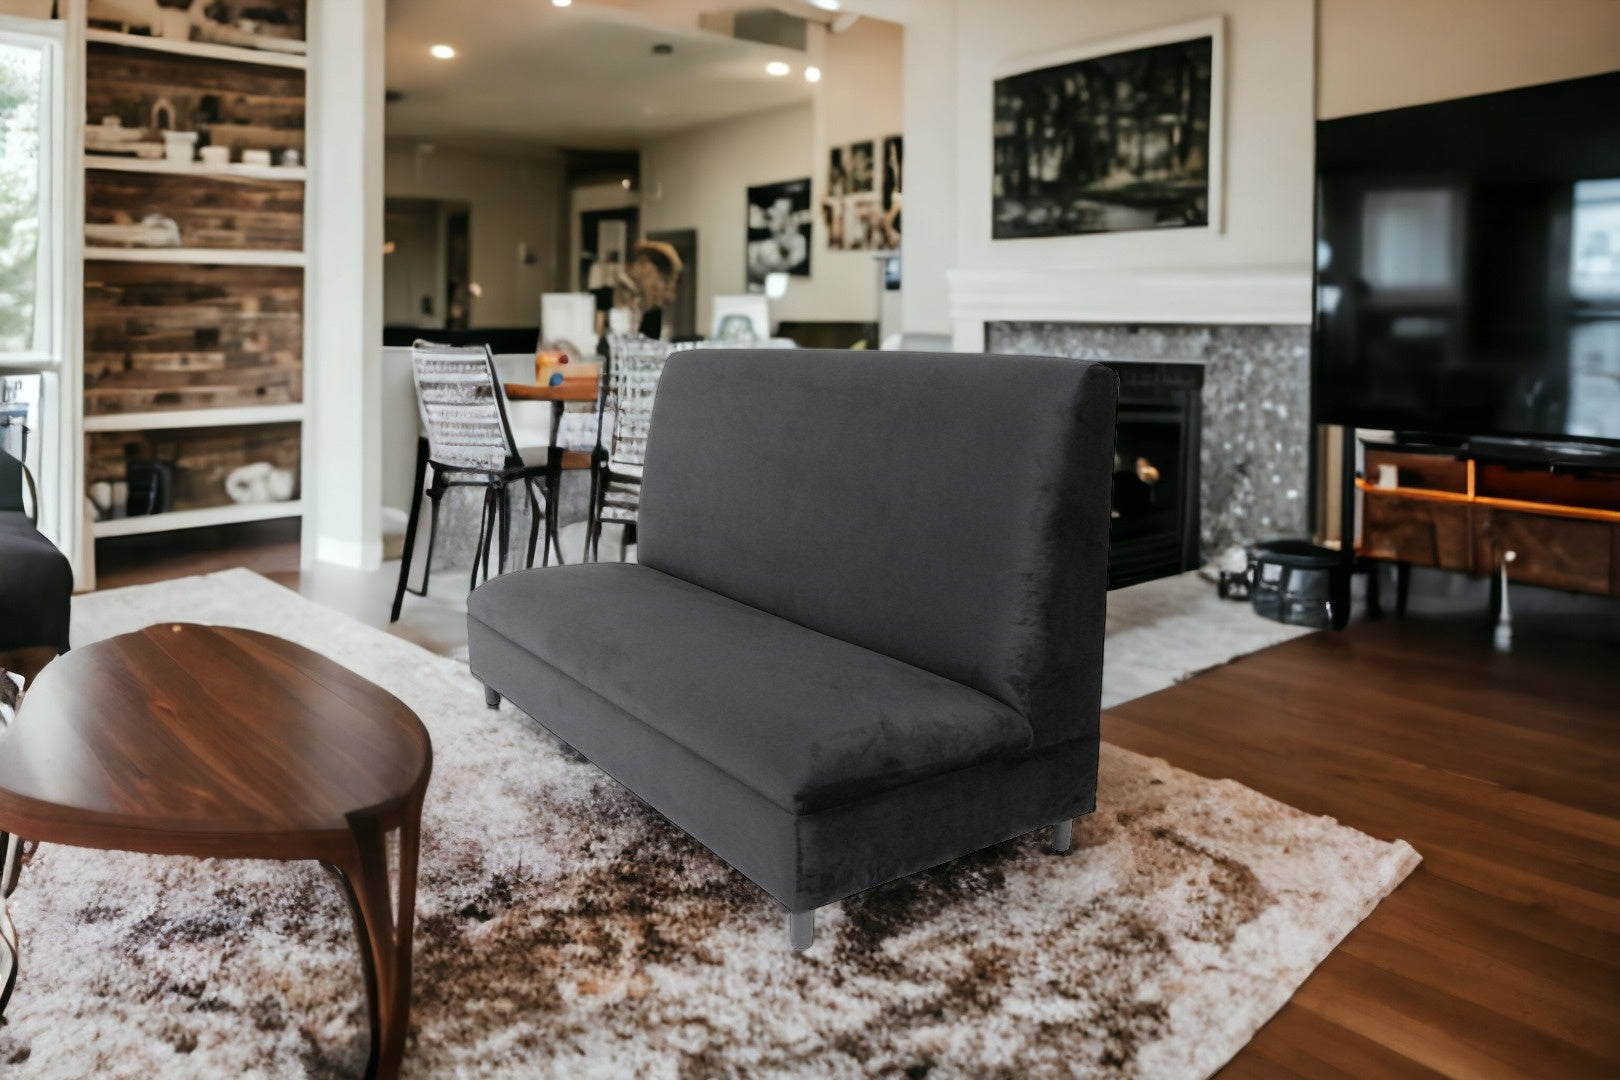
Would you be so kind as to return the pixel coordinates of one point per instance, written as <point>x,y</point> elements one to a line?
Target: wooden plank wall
<point>212,212</point>
<point>201,458</point>
<point>242,106</point>
<point>185,337</point>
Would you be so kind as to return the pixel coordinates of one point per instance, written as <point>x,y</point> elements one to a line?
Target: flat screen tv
<point>1468,266</point>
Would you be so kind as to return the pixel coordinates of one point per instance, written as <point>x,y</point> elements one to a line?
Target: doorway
<point>427,264</point>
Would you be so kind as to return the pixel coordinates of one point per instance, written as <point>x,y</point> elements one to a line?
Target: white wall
<point>1383,54</point>
<point>1268,132</point>
<point>699,178</point>
<point>929,95</point>
<point>515,198</point>
<point>858,99</point>
<point>954,51</point>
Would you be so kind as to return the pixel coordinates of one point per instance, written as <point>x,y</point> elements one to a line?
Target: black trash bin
<point>1295,582</point>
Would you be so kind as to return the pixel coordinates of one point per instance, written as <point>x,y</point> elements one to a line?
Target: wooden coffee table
<point>218,742</point>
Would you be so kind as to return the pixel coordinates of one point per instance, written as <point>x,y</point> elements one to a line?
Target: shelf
<point>1583,513</point>
<point>118,163</point>
<point>196,418</point>
<point>198,48</point>
<point>201,256</point>
<point>233,514</point>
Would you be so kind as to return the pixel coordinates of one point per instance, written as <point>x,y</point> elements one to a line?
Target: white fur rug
<point>564,930</point>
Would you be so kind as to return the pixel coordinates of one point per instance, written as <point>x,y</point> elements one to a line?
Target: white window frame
<point>56,419</point>
<point>50,317</point>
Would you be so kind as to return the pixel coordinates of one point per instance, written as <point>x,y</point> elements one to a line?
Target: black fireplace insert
<point>1155,521</point>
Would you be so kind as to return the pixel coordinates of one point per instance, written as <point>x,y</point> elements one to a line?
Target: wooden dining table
<point>559,396</point>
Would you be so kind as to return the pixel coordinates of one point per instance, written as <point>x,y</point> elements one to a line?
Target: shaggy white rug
<point>565,930</point>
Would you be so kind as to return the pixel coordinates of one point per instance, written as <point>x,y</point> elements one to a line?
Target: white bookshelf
<point>227,416</point>
<point>163,166</point>
<point>197,256</point>
<point>198,48</point>
<point>89,50</point>
<point>232,514</point>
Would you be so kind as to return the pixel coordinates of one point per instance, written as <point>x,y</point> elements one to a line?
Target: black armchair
<point>36,581</point>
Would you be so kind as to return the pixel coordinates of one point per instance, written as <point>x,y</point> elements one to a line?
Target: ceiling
<point>584,76</point>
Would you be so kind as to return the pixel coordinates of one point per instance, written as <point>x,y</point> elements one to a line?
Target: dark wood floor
<point>268,547</point>
<point>1500,955</point>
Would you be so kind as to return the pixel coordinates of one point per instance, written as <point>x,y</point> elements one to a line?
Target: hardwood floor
<point>1500,955</point>
<point>269,547</point>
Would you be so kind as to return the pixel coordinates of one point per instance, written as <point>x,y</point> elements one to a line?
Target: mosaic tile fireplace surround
<point>1254,443</point>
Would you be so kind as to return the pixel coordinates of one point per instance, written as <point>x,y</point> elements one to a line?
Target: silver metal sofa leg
<point>1062,835</point>
<point>801,927</point>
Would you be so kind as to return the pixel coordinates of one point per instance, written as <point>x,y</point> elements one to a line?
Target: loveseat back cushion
<point>950,511</point>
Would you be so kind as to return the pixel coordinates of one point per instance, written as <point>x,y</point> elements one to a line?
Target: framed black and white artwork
<point>1113,136</point>
<point>778,231</point>
<point>862,206</point>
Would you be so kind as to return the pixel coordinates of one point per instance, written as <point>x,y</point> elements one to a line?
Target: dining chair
<point>629,382</point>
<point>469,443</point>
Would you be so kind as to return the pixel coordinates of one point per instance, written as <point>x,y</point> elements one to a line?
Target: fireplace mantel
<point>1266,296</point>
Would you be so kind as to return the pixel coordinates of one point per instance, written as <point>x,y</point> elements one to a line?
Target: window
<point>33,318</point>
<point>30,101</point>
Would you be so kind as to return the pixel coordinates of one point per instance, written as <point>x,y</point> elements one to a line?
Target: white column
<point>930,89</point>
<point>342,472</point>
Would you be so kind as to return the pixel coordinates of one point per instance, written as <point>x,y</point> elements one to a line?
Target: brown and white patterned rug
<point>565,930</point>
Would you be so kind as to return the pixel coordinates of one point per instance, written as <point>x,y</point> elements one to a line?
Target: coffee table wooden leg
<point>384,909</point>
<point>10,953</point>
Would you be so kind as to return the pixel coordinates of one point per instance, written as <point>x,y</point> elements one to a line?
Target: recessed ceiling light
<point>625,183</point>
<point>777,68</point>
<point>443,52</point>
<point>812,74</point>
<point>561,3</point>
<point>826,5</point>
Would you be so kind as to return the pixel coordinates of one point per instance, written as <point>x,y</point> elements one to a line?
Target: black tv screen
<point>1468,266</point>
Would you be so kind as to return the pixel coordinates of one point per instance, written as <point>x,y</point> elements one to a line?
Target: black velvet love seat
<point>865,633</point>
<point>36,582</point>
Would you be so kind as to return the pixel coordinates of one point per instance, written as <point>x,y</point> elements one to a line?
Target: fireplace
<point>1241,390</point>
<point>1158,435</point>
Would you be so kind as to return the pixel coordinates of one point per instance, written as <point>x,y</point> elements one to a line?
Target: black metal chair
<point>469,443</point>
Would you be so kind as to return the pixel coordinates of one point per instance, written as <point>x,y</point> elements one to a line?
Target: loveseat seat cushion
<point>804,719</point>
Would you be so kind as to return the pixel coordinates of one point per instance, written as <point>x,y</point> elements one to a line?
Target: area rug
<point>564,930</point>
<point>1166,631</point>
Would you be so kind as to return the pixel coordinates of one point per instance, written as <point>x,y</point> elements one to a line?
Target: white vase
<point>180,145</point>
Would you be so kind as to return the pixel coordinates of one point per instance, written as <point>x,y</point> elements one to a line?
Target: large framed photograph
<point>778,231</point>
<point>1116,135</point>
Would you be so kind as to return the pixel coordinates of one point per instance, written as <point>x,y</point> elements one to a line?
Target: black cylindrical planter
<point>1295,582</point>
